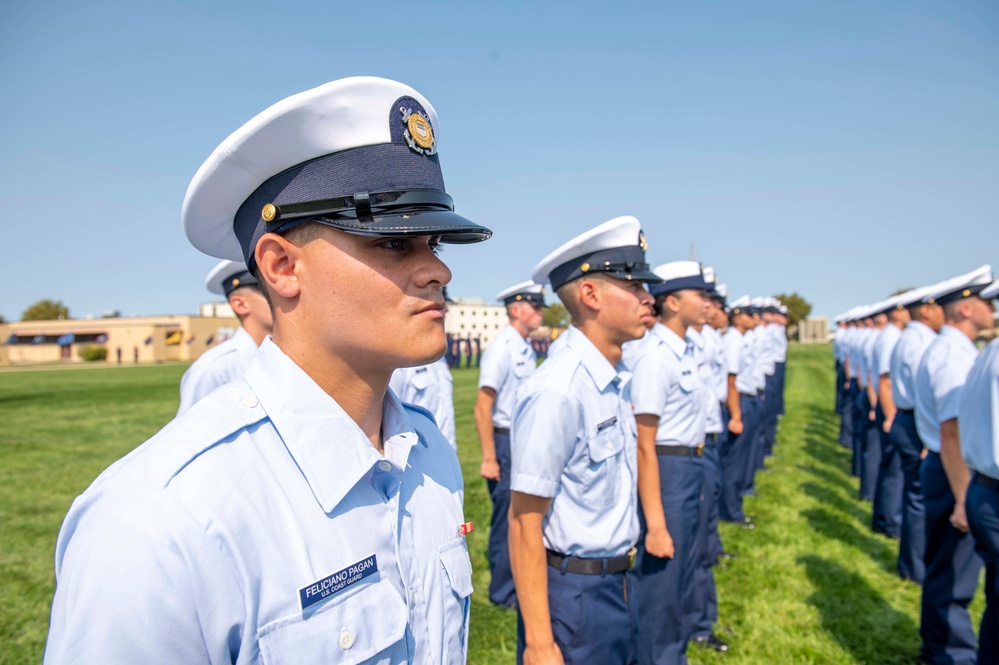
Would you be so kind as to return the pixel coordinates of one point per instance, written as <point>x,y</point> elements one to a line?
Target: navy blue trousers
<point>594,618</point>
<point>781,380</point>
<point>912,541</point>
<point>702,610</point>
<point>771,410</point>
<point>756,451</point>
<point>983,517</point>
<point>501,589</point>
<point>846,419</point>
<point>735,458</point>
<point>868,447</point>
<point>952,569</point>
<point>662,584</point>
<point>886,516</point>
<point>860,408</point>
<point>840,382</point>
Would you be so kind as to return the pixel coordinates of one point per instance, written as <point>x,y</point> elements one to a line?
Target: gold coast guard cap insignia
<point>419,133</point>
<point>641,241</point>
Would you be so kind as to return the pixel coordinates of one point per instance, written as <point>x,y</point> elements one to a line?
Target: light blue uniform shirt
<point>884,345</point>
<point>940,381</point>
<point>719,380</point>
<point>858,357</point>
<point>505,364</point>
<point>780,340</point>
<point>630,351</point>
<point>767,349</point>
<point>978,413</point>
<point>216,367</point>
<point>666,383</point>
<point>838,344</point>
<point>756,361</point>
<point>431,387</point>
<point>574,441</point>
<point>263,526</point>
<point>706,357</point>
<point>738,359</point>
<point>905,360</point>
<point>870,378</point>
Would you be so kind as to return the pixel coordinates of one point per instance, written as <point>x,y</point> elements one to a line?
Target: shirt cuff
<point>525,484</point>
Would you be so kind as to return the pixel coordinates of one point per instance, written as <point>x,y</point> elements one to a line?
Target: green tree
<point>2,320</point>
<point>556,316</point>
<point>798,308</point>
<point>46,310</point>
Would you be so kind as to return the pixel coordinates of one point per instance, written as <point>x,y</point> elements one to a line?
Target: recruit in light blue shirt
<point>505,364</point>
<point>216,367</point>
<point>666,383</point>
<point>706,357</point>
<point>756,361</point>
<point>263,526</point>
<point>905,360</point>
<point>884,345</point>
<point>431,387</point>
<point>978,413</point>
<point>574,441</point>
<point>738,359</point>
<point>940,381</point>
<point>719,381</point>
<point>780,340</point>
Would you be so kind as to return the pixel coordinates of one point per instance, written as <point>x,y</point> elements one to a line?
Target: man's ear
<point>589,294</point>
<point>277,261</point>
<point>238,303</point>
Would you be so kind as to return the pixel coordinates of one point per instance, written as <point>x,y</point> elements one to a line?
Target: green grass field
<point>811,584</point>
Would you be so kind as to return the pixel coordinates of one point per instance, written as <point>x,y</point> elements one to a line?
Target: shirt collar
<point>958,337</point>
<point>329,448</point>
<point>696,336</point>
<point>599,368</point>
<point>920,328</point>
<point>675,343</point>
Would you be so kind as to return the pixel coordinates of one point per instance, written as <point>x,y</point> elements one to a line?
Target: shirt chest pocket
<point>604,455</point>
<point>457,587</point>
<point>522,367</point>
<point>361,626</point>
<point>688,382</point>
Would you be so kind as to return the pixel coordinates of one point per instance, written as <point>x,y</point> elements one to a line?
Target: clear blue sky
<point>838,149</point>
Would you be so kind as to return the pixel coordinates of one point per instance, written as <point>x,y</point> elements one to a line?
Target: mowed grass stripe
<point>811,584</point>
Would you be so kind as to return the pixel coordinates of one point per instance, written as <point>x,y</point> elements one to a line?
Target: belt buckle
<point>631,557</point>
<point>700,450</point>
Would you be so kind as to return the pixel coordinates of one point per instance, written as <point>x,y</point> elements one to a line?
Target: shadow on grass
<point>857,616</point>
<point>828,497</point>
<point>832,478</point>
<point>830,525</point>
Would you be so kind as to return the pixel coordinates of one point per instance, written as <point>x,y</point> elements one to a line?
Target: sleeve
<point>650,383</point>
<point>544,434</point>
<point>948,383</point>
<point>129,590</point>
<point>494,366</point>
<point>199,380</point>
<point>883,355</point>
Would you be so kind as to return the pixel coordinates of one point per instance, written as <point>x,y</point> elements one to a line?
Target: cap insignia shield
<point>419,133</point>
<point>641,241</point>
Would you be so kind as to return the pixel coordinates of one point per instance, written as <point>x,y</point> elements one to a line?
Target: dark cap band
<point>621,262</point>
<point>237,281</point>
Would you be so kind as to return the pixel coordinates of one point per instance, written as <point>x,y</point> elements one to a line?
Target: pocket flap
<point>454,558</point>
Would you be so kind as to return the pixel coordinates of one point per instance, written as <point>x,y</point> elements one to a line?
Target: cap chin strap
<point>361,206</point>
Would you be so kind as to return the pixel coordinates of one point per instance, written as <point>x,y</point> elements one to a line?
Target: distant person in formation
<point>301,514</point>
<point>574,509</point>
<point>228,361</point>
<point>886,514</point>
<point>952,566</point>
<point>926,319</point>
<point>978,417</point>
<point>669,397</point>
<point>506,364</point>
<point>741,413</point>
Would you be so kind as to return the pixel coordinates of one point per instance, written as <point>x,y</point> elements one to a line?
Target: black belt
<point>501,430</point>
<point>580,566</point>
<point>749,395</point>
<point>985,481</point>
<point>681,451</point>
<point>908,412</point>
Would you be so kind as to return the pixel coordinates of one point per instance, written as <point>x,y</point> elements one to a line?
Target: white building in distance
<point>470,317</point>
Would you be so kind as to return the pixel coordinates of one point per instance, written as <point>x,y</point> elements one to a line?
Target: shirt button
<point>249,400</point>
<point>610,446</point>
<point>346,639</point>
<point>385,465</point>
